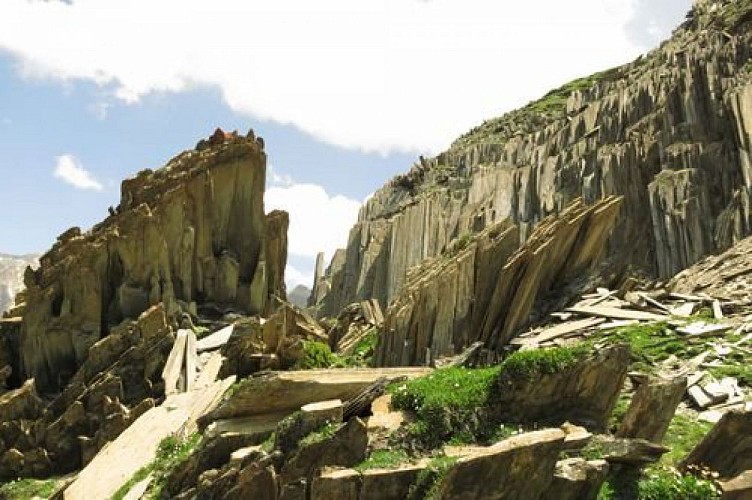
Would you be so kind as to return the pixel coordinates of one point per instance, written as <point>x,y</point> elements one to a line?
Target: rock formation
<point>486,289</point>
<point>670,132</point>
<point>192,232</point>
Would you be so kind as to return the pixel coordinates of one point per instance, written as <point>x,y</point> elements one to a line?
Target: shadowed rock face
<point>193,231</point>
<point>670,132</point>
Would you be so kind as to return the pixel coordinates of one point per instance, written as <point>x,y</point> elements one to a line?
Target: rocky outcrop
<point>192,232</point>
<point>652,408</point>
<point>583,393</point>
<point>577,479</point>
<point>486,288</point>
<point>671,132</point>
<point>518,467</point>
<point>727,448</point>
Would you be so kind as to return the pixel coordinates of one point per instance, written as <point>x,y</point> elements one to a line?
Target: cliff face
<point>670,132</point>
<point>486,289</point>
<point>189,234</point>
<point>11,277</point>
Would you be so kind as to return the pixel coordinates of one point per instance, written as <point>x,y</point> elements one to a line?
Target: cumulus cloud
<point>379,75</point>
<point>318,222</point>
<point>70,171</point>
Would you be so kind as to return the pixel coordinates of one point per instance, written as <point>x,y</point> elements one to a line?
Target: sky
<point>346,94</point>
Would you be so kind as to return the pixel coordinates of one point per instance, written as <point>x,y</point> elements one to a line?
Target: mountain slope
<point>670,132</point>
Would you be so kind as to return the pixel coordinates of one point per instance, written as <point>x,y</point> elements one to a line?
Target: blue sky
<point>345,95</point>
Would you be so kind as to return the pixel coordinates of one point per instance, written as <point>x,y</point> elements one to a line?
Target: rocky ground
<point>508,320</point>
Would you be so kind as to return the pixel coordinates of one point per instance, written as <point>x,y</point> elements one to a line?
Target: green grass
<point>171,453</point>
<point>23,489</point>
<point>428,482</point>
<point>323,433</point>
<point>364,349</point>
<point>652,343</point>
<point>620,409</point>
<point>316,355</point>
<point>661,483</point>
<point>449,403</point>
<point>556,100</point>
<point>528,364</point>
<point>684,433</point>
<point>383,459</point>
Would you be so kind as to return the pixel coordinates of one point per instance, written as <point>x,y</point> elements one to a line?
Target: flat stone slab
<point>215,340</point>
<point>288,391</point>
<point>136,447</point>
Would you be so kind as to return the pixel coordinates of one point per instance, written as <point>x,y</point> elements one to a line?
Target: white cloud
<point>275,178</point>
<point>70,171</point>
<point>318,222</point>
<point>374,74</point>
<point>294,277</point>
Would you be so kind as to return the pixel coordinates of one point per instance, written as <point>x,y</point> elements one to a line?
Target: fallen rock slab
<point>652,408</point>
<point>518,467</point>
<point>116,463</point>
<point>288,391</point>
<point>628,451</point>
<point>577,479</point>
<point>727,448</point>
<point>738,488</point>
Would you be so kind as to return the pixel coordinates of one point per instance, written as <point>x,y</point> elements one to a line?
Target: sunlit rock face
<point>671,132</point>
<point>192,233</point>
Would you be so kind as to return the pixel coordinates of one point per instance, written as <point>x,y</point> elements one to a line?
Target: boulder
<point>727,448</point>
<point>310,417</point>
<point>519,467</point>
<point>738,488</point>
<point>346,448</point>
<point>583,393</point>
<point>342,484</point>
<point>389,484</point>
<point>21,403</point>
<point>634,452</point>
<point>652,407</point>
<point>577,479</point>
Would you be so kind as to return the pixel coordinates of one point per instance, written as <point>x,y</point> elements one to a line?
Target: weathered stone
<point>488,290</point>
<point>310,417</point>
<point>738,488</point>
<point>389,484</point>
<point>257,483</point>
<point>346,448</point>
<point>518,467</point>
<point>201,237</point>
<point>577,479</point>
<point>342,484</point>
<point>652,407</point>
<point>583,393</point>
<point>628,451</point>
<point>727,448</point>
<point>21,403</point>
<point>288,391</point>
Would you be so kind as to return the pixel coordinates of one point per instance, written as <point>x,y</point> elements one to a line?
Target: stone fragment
<point>628,451</point>
<point>519,467</point>
<point>577,479</point>
<point>652,408</point>
<point>342,484</point>
<point>389,484</point>
<point>727,448</point>
<point>738,488</point>
<point>346,448</point>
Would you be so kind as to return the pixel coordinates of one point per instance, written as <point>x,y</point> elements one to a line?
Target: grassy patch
<point>316,355</point>
<point>660,483</point>
<point>429,480</point>
<point>556,100</point>
<point>22,489</point>
<point>684,433</point>
<point>450,403</point>
<point>171,452</point>
<point>652,343</point>
<point>364,349</point>
<point>620,409</point>
<point>383,459</point>
<point>528,364</point>
<point>323,433</point>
